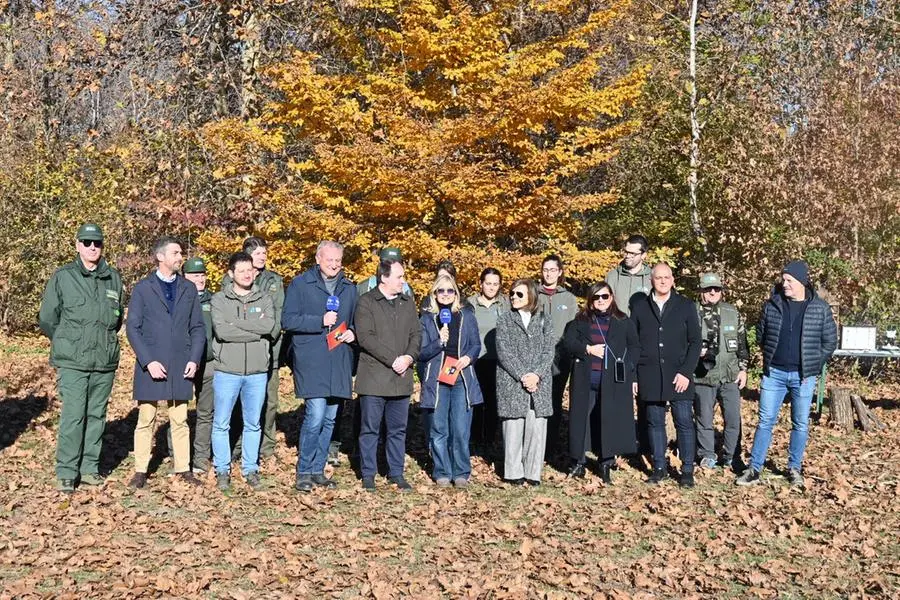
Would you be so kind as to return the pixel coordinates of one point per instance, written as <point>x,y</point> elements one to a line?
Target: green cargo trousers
<point>203,387</point>
<point>82,421</point>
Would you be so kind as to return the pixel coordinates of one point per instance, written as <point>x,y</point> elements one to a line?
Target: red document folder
<point>449,371</point>
<point>334,337</point>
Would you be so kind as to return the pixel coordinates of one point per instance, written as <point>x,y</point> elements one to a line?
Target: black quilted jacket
<point>818,338</point>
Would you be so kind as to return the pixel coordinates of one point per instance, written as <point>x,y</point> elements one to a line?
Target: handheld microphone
<point>445,316</point>
<point>332,305</point>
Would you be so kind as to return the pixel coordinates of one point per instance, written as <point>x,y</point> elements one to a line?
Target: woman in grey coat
<point>525,351</point>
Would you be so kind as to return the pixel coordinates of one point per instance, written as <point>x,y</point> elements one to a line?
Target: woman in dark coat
<point>603,344</point>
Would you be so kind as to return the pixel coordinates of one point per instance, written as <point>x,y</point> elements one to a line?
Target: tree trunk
<point>867,418</point>
<point>841,409</point>
<point>693,177</point>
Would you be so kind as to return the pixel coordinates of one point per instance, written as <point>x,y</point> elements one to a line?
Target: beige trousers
<point>181,435</point>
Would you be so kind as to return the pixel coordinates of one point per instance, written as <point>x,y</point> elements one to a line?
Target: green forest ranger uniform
<point>81,313</point>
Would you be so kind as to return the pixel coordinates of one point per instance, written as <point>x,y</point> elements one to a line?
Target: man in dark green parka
<point>81,313</point>
<point>195,271</point>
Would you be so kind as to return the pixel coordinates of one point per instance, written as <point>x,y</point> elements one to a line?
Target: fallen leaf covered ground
<point>566,539</point>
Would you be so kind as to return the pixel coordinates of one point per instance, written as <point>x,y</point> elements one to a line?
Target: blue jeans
<point>773,390</point>
<point>226,389</point>
<point>315,435</point>
<point>451,423</point>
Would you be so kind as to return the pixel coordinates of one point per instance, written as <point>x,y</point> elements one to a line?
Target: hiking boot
<point>189,478</point>
<point>401,483</point>
<point>66,486</point>
<point>442,482</point>
<point>515,482</point>
<point>253,480</point>
<point>461,482</point>
<point>687,480</point>
<point>334,454</point>
<point>91,479</point>
<point>533,482</point>
<point>368,484</point>
<point>138,481</point>
<point>738,466</point>
<point>657,476</point>
<point>201,468</point>
<point>303,483</point>
<point>750,476</point>
<point>795,478</point>
<point>223,481</point>
<point>322,481</point>
<point>708,463</point>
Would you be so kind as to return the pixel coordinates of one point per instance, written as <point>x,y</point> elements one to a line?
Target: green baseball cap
<point>194,265</point>
<point>90,231</point>
<point>709,280</point>
<point>390,254</point>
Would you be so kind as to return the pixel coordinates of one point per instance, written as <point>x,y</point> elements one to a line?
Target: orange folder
<point>334,337</point>
<point>449,371</point>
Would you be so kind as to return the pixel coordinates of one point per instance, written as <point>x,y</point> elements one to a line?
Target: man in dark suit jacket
<point>669,332</point>
<point>165,328</point>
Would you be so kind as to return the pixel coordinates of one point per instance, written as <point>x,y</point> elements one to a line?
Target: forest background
<point>491,132</point>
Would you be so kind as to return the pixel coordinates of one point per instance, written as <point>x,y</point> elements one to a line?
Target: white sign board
<point>858,338</point>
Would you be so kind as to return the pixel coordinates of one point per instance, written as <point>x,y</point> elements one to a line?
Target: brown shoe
<point>188,477</point>
<point>138,481</point>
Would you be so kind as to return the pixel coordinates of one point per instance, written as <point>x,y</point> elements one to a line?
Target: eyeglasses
<point>550,270</point>
<point>517,294</point>
<point>714,290</point>
<point>601,296</point>
<point>629,253</point>
<point>449,292</point>
<point>89,243</point>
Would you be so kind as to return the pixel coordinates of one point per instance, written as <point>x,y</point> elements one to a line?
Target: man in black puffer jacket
<point>797,334</point>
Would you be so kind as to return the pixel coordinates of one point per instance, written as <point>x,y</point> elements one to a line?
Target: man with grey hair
<point>318,313</point>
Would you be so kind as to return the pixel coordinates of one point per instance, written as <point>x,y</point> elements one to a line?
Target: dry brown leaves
<point>567,539</point>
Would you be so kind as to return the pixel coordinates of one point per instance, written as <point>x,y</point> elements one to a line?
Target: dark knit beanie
<point>799,270</point>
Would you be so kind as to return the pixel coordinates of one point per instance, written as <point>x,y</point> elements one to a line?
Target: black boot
<point>604,473</point>
<point>576,471</point>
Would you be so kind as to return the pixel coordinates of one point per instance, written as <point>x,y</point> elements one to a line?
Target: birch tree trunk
<point>693,177</point>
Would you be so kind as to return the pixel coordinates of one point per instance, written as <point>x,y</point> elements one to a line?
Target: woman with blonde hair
<point>450,346</point>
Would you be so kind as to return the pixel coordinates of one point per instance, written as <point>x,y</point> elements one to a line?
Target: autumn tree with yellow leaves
<point>472,131</point>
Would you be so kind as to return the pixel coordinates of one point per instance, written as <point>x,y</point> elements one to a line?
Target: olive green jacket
<point>269,282</point>
<point>81,313</point>
<point>243,327</point>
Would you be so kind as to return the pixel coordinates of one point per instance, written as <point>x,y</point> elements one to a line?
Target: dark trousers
<point>395,412</point>
<point>729,397</point>
<point>581,409</point>
<point>203,390</point>
<point>683,415</point>
<point>484,417</point>
<point>643,430</point>
<point>555,420</point>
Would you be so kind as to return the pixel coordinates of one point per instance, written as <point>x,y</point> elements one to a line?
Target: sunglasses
<point>716,290</point>
<point>517,294</point>
<point>601,296</point>
<point>89,243</point>
<point>449,292</point>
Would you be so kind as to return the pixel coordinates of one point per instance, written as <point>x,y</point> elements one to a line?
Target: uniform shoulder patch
<point>112,294</point>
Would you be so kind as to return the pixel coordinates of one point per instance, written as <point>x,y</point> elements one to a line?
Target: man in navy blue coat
<point>318,302</point>
<point>165,328</point>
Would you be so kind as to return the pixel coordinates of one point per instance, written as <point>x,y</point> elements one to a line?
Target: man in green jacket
<point>195,271</point>
<point>271,283</point>
<point>560,306</point>
<point>243,328</point>
<point>631,276</point>
<point>81,313</point>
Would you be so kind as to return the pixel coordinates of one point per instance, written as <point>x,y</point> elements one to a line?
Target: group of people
<point>486,364</point>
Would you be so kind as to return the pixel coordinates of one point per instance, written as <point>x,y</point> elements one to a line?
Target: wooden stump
<point>841,408</point>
